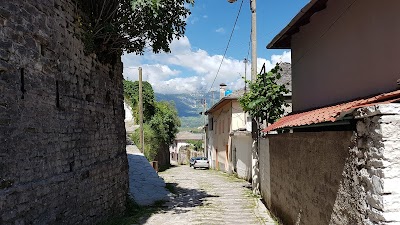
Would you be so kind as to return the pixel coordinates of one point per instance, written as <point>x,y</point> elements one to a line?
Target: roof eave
<point>213,108</point>
<point>283,39</point>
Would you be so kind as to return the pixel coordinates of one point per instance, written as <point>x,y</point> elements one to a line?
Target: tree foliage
<point>165,122</point>
<point>151,143</point>
<point>161,120</point>
<point>197,144</point>
<point>114,26</point>
<point>265,100</point>
<point>131,93</point>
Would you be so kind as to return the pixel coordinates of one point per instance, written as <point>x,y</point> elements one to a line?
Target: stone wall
<point>377,158</point>
<point>305,170</point>
<point>62,151</point>
<point>336,177</point>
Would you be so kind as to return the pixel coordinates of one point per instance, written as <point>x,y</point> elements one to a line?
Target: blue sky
<point>194,59</point>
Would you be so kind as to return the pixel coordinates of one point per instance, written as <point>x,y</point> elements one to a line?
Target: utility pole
<point>141,111</point>
<point>212,92</point>
<point>245,73</point>
<point>205,122</point>
<point>254,128</point>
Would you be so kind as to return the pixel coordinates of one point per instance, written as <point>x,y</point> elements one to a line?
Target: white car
<point>201,162</point>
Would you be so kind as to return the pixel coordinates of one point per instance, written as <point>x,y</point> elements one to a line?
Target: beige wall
<point>229,117</point>
<point>238,116</point>
<point>346,52</point>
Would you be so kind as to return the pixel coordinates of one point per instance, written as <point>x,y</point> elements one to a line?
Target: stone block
<point>43,140</point>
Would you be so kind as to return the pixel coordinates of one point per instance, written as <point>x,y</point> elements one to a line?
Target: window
<point>210,124</point>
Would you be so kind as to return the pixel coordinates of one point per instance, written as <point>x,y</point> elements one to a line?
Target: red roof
<point>331,113</point>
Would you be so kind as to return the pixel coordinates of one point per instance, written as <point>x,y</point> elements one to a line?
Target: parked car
<point>191,161</point>
<point>201,162</point>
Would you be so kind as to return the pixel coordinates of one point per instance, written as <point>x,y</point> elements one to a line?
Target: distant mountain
<point>188,105</point>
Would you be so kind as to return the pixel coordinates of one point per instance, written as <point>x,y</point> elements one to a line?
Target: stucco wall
<point>241,154</point>
<point>338,177</point>
<point>62,135</point>
<point>301,173</point>
<point>226,119</point>
<point>348,46</point>
<point>239,117</point>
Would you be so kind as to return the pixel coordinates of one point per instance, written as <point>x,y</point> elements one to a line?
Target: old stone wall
<point>377,158</point>
<point>62,135</point>
<point>337,177</point>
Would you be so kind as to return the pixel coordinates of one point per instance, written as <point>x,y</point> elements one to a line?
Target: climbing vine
<point>265,100</point>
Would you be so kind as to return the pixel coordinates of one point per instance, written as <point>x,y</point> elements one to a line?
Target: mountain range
<point>189,106</point>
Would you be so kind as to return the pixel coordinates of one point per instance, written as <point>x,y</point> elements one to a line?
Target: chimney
<point>222,88</point>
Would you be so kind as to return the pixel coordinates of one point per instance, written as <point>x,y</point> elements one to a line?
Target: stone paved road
<point>208,197</point>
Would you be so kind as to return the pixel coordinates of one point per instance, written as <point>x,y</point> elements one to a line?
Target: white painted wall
<point>128,112</point>
<point>241,150</point>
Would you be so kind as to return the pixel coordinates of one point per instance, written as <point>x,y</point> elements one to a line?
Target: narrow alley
<point>207,197</point>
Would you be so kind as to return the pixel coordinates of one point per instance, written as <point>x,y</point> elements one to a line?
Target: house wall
<point>220,135</point>
<point>230,117</point>
<point>300,174</point>
<point>350,45</point>
<point>128,113</point>
<point>337,177</point>
<point>241,155</point>
<point>238,116</point>
<point>62,151</point>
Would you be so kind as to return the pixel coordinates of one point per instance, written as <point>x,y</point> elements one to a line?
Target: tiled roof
<point>331,113</point>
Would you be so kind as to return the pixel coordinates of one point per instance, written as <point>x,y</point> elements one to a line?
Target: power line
<point>227,46</point>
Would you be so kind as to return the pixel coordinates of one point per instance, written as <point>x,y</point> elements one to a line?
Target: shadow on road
<point>181,200</point>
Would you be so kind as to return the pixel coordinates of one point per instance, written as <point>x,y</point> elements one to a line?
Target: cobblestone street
<point>208,197</point>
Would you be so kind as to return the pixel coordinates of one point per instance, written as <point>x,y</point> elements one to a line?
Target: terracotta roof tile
<point>331,113</point>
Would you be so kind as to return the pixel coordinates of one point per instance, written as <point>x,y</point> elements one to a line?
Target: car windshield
<point>201,158</point>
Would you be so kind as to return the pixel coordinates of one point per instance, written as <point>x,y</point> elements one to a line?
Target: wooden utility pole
<point>141,111</point>
<point>204,127</point>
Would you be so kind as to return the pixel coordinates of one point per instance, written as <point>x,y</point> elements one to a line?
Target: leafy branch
<point>265,100</point>
<point>114,26</point>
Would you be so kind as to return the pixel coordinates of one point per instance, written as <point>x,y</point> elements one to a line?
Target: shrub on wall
<point>115,26</point>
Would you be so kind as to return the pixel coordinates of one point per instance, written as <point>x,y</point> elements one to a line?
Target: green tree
<point>151,143</point>
<point>131,93</point>
<point>114,26</point>
<point>197,144</point>
<point>265,100</point>
<point>165,122</point>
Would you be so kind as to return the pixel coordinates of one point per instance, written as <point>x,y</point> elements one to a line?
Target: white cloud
<point>185,70</point>
<point>220,30</point>
<point>205,16</point>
